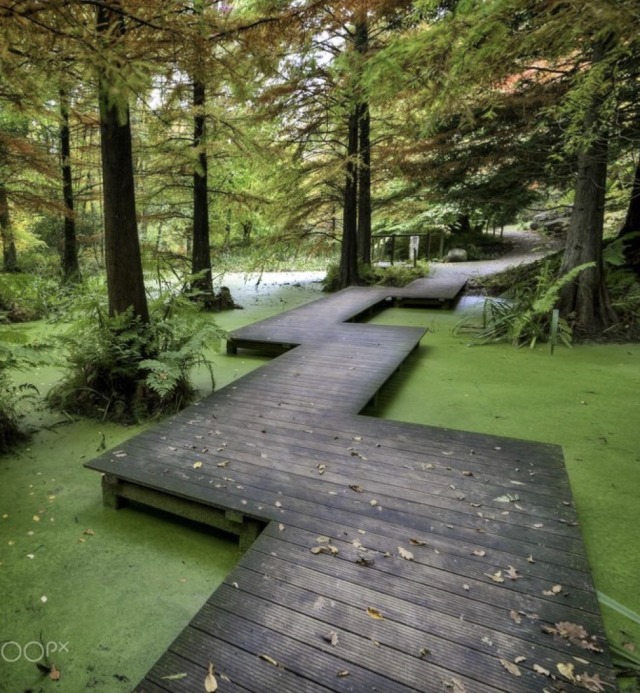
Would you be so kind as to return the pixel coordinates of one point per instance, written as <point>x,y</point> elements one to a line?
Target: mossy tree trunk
<point>9,252</point>
<point>632,225</point>
<point>125,280</point>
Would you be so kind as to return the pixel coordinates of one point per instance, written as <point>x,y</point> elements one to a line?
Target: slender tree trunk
<point>361,42</point>
<point>348,272</point>
<point>364,186</point>
<point>9,252</point>
<point>200,252</point>
<point>125,280</point>
<point>70,266</point>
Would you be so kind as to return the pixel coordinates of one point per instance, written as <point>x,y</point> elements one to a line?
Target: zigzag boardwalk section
<point>381,556</point>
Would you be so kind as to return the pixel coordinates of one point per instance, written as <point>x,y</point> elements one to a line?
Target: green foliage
<point>122,369</point>
<point>394,275</point>
<point>25,297</point>
<point>15,353</point>
<point>524,317</point>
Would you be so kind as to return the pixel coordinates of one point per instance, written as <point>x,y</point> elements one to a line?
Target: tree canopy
<point>276,124</point>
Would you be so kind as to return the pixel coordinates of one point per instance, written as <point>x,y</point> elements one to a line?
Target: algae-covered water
<point>106,592</point>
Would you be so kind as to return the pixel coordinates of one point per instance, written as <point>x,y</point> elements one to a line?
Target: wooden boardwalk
<point>382,556</point>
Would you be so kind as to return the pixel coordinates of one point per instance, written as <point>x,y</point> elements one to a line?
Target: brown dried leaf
<point>629,646</point>
<point>417,542</point>
<point>479,552</point>
<point>366,561</point>
<point>374,613</point>
<point>210,683</point>
<point>556,589</point>
<point>591,683</point>
<point>530,559</point>
<point>266,658</point>
<point>496,577</point>
<point>512,573</point>
<point>54,673</point>
<point>515,616</point>
<point>541,670</point>
<point>342,673</point>
<point>566,669</point>
<point>455,685</point>
<point>467,473</point>
<point>331,637</point>
<point>356,487</point>
<point>571,630</point>
<point>512,668</point>
<point>223,464</point>
<point>519,660</point>
<point>89,532</point>
<point>407,555</point>
<point>197,465</point>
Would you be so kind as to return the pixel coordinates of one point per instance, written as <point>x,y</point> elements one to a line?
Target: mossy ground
<point>120,585</point>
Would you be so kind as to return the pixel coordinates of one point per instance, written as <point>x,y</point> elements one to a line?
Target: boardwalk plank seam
<point>435,555</point>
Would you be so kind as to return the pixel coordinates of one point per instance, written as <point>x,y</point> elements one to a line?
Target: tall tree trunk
<point>364,186</point>
<point>632,225</point>
<point>361,43</point>
<point>200,252</point>
<point>70,266</point>
<point>585,301</point>
<point>125,280</point>
<point>348,272</point>
<point>9,252</point>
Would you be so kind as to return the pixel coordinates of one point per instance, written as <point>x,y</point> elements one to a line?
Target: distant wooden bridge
<point>380,556</point>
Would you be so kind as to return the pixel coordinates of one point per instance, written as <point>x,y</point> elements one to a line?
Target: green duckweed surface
<point>112,589</point>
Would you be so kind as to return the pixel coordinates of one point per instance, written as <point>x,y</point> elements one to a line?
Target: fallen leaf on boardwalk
<point>278,504</point>
<point>556,589</point>
<point>417,542</point>
<point>223,464</point>
<point>571,630</point>
<point>467,473</point>
<point>538,525</point>
<point>591,683</point>
<point>479,552</point>
<point>281,527</point>
<point>210,683</point>
<point>271,660</point>
<point>519,660</point>
<point>455,685</point>
<point>515,616</point>
<point>466,587</point>
<point>357,438</point>
<point>325,548</point>
<point>566,669</point>
<point>197,465</point>
<point>541,670</point>
<point>321,468</point>
<point>512,573</point>
<point>530,559</point>
<point>366,561</point>
<point>374,613</point>
<point>322,539</point>
<point>54,674</point>
<point>373,502</point>
<point>342,673</point>
<point>512,668</point>
<point>331,637</point>
<point>407,555</point>
<point>496,577</point>
<point>356,488</point>
<point>175,677</point>
<point>424,652</point>
<point>507,498</point>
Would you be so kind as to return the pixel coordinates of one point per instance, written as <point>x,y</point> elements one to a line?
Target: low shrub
<point>122,369</point>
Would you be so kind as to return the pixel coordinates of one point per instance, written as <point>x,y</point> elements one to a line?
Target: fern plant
<point>122,369</point>
<point>525,316</point>
<point>15,354</point>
